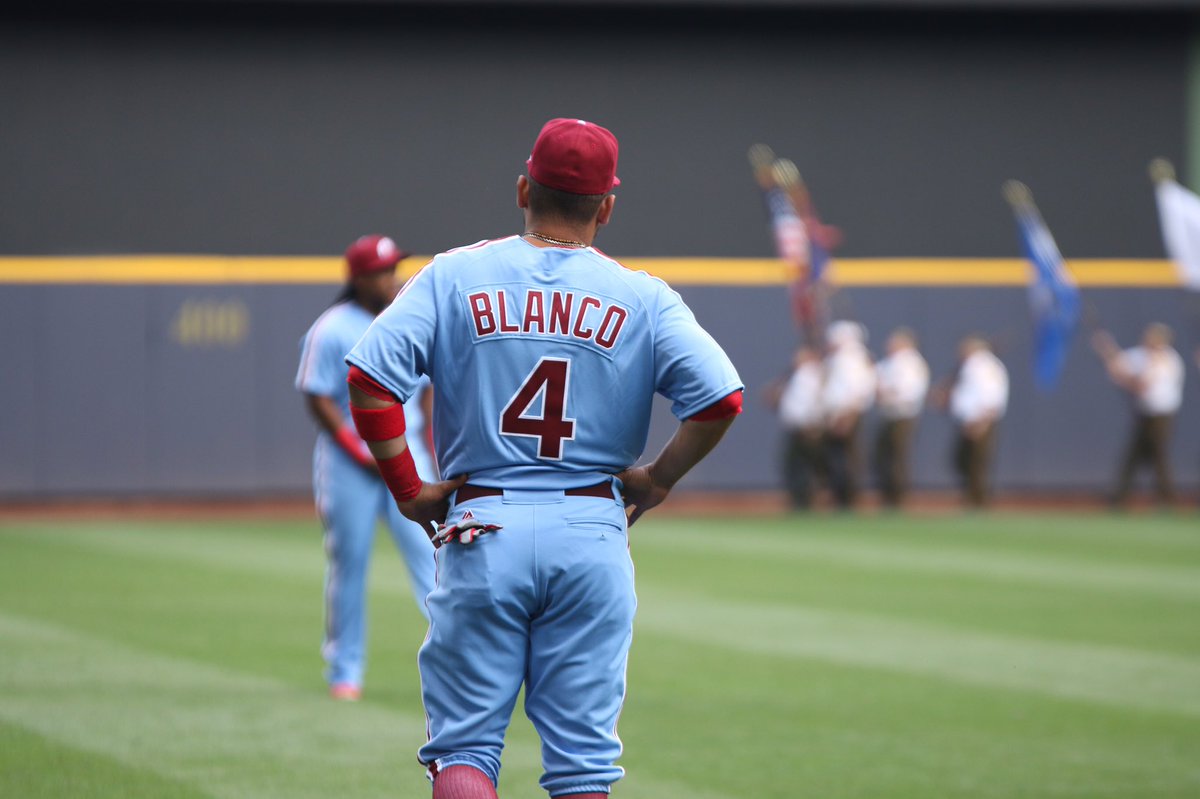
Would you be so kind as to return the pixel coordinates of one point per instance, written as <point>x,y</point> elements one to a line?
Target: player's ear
<point>606,209</point>
<point>522,191</point>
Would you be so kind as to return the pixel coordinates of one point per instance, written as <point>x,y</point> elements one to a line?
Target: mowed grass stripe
<point>284,556</point>
<point>74,773</point>
<point>1150,540</point>
<point>1177,582</point>
<point>1102,675</point>
<point>231,735</point>
<point>1108,675</point>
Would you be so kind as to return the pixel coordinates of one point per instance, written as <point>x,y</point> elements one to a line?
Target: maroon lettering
<point>481,312</point>
<point>502,304</point>
<point>560,312</point>
<point>610,327</point>
<point>553,426</point>
<point>535,312</point>
<point>580,331</point>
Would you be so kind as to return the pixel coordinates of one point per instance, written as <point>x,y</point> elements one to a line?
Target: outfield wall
<point>289,129</point>
<point>186,388</point>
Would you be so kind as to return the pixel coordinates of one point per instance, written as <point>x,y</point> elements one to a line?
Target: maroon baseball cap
<point>575,156</point>
<point>373,254</point>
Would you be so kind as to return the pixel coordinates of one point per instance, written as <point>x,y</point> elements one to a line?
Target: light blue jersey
<point>323,366</point>
<point>544,361</point>
<point>351,499</point>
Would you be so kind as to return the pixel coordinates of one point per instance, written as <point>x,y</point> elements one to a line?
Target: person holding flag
<point>1053,293</point>
<point>801,239</point>
<point>1153,375</point>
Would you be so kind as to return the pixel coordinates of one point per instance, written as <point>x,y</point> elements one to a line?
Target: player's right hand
<point>432,502</point>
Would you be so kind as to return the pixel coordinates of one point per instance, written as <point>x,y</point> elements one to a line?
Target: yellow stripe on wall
<point>209,269</point>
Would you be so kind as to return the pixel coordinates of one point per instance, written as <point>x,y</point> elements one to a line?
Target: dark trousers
<point>841,458</point>
<point>890,459</point>
<point>803,466</point>
<point>1149,442</point>
<point>972,460</point>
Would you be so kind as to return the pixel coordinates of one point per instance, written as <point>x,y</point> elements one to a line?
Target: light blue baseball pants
<point>350,500</point>
<point>547,601</point>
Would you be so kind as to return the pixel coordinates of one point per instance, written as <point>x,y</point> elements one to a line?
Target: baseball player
<point>350,496</point>
<point>545,355</point>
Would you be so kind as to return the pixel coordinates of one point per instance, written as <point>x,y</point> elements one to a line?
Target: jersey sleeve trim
<point>725,408</point>
<point>365,383</point>
<point>688,411</point>
<point>374,375</point>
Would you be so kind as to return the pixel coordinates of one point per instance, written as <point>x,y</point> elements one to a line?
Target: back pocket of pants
<point>601,524</point>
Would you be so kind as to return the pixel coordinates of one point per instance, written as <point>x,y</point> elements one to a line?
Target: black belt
<point>469,492</point>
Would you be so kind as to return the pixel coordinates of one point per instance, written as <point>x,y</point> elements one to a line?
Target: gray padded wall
<point>126,408</point>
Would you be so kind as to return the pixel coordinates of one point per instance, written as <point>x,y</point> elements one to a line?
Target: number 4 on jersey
<point>550,379</point>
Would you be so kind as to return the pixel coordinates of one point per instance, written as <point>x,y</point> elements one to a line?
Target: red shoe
<point>345,692</point>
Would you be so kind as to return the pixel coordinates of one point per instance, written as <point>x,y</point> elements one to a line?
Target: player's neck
<point>374,309</point>
<point>560,234</point>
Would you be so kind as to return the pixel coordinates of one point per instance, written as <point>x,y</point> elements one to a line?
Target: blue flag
<point>1053,297</point>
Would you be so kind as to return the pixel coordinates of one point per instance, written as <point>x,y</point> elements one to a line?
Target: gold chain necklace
<point>559,242</point>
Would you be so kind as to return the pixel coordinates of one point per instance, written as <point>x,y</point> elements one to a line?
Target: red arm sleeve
<point>384,424</point>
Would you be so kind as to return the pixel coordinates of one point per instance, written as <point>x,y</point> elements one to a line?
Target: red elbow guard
<point>379,424</point>
<point>400,474</point>
<point>725,408</point>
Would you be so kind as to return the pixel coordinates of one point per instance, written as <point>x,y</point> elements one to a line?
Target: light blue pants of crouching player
<point>548,601</point>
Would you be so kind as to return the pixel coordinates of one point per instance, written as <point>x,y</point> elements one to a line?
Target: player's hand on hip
<point>640,492</point>
<point>432,502</point>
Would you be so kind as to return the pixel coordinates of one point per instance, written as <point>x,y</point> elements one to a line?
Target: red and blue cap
<point>575,156</point>
<point>373,254</point>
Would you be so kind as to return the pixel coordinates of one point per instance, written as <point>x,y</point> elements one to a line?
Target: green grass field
<point>969,656</point>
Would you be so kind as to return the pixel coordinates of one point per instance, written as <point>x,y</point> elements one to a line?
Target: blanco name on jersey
<point>573,315</point>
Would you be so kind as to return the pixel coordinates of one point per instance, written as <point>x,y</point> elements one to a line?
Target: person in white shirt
<point>976,401</point>
<point>903,381</point>
<point>1153,376</point>
<point>797,400</point>
<point>848,393</point>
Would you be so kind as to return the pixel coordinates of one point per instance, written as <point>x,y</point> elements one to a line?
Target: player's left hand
<point>464,531</point>
<point>432,502</point>
<point>640,492</point>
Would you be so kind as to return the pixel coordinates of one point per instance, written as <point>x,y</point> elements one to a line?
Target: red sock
<point>463,782</point>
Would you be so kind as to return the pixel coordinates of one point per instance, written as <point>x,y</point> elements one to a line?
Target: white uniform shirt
<point>981,389</point>
<point>849,381</point>
<point>1162,375</point>
<point>903,382</point>
<point>800,403</point>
